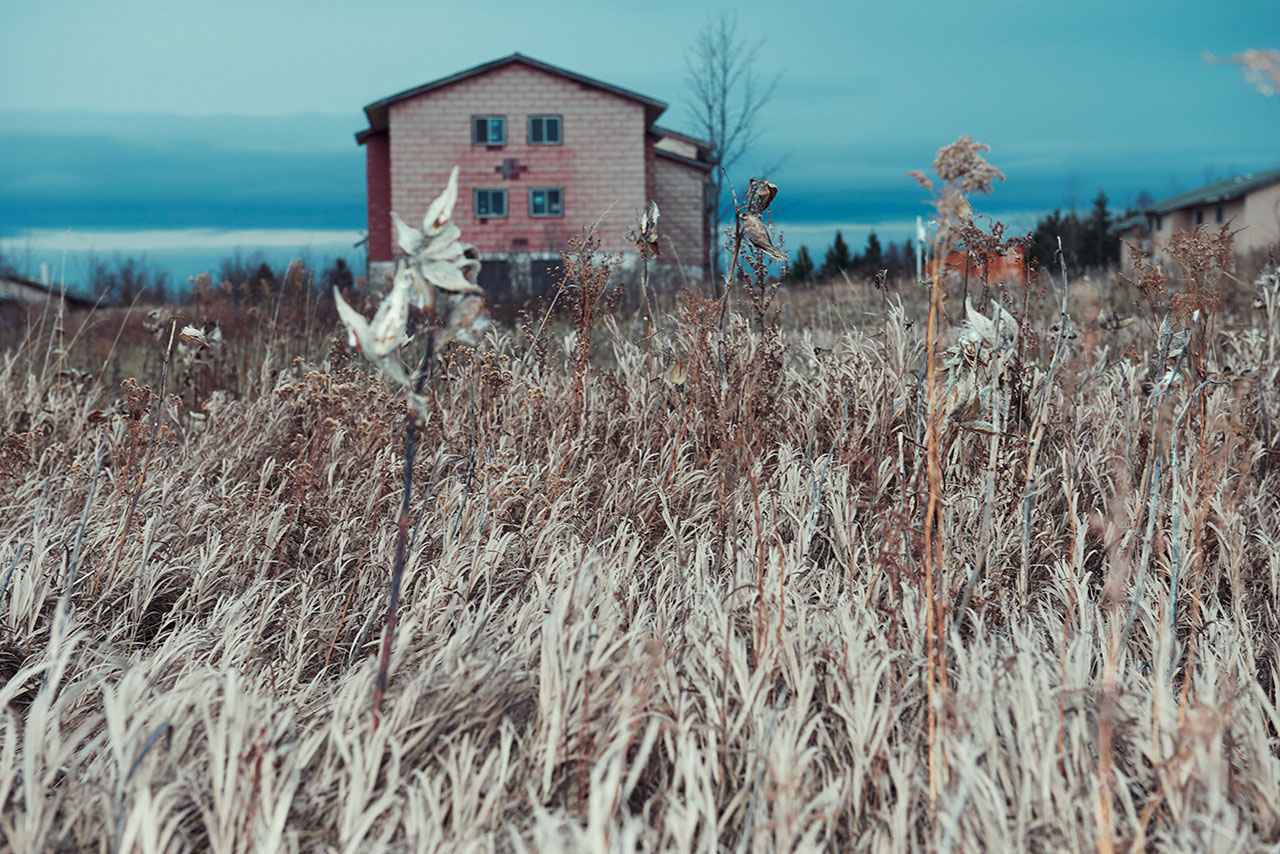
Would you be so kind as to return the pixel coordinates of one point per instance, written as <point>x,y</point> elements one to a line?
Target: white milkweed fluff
<point>433,257</point>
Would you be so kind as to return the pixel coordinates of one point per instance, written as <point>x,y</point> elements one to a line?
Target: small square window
<point>544,130</point>
<point>490,203</point>
<point>489,130</point>
<point>1217,214</point>
<point>546,201</point>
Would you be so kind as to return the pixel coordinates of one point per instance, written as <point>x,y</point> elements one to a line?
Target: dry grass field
<point>763,586</point>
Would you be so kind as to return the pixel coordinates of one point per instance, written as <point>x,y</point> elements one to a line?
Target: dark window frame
<point>475,203</point>
<point>1219,214</point>
<point>1198,219</point>
<point>544,116</point>
<point>488,140</point>
<point>549,215</point>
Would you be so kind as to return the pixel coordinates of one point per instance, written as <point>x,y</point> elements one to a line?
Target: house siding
<point>1261,219</point>
<point>377,160</point>
<point>679,191</point>
<point>1253,215</point>
<point>600,164</point>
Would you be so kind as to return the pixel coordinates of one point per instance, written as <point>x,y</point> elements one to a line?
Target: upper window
<point>546,201</point>
<point>1217,214</point>
<point>1199,216</point>
<point>1159,222</point>
<point>490,203</point>
<point>489,130</point>
<point>544,130</point>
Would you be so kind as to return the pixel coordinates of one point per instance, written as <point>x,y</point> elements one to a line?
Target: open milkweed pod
<point>193,335</point>
<point>448,263</point>
<point>978,328</point>
<point>678,373</point>
<point>378,340</point>
<point>436,258</point>
<point>754,229</point>
<point>466,322</point>
<point>441,210</point>
<point>647,238</point>
<point>760,194</point>
<point>408,238</point>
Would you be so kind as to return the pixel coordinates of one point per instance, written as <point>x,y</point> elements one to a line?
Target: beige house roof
<point>1222,191</point>
<point>377,111</point>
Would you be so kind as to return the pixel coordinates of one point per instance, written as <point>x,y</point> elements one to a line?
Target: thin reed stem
<point>402,531</point>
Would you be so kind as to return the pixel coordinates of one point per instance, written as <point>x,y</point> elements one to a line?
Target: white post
<point>920,237</point>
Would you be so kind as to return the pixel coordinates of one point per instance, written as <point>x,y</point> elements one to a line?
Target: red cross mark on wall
<point>510,168</point>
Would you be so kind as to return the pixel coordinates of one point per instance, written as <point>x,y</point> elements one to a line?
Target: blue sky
<point>157,115</point>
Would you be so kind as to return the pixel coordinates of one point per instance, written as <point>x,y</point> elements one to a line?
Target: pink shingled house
<point>543,152</point>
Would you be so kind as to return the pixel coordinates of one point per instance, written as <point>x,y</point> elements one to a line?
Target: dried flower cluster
<point>961,170</point>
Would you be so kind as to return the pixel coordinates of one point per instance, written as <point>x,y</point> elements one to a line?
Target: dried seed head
<point>193,335</point>
<point>760,194</point>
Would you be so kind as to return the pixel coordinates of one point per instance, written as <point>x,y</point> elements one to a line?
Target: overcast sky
<point>156,114</point>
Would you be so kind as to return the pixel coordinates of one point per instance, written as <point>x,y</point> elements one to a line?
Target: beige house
<point>1249,203</point>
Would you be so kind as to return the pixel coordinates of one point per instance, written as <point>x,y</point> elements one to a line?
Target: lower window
<point>546,201</point>
<point>490,203</point>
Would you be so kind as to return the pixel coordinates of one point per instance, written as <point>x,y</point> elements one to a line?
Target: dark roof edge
<point>661,131</point>
<point>377,111</point>
<point>1220,191</point>
<point>687,161</point>
<point>59,292</point>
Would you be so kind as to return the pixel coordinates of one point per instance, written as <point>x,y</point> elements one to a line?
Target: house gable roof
<point>683,137</point>
<point>1222,191</point>
<point>377,111</point>
<point>14,288</point>
<point>704,165</point>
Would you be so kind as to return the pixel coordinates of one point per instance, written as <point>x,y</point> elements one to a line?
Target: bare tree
<point>725,96</point>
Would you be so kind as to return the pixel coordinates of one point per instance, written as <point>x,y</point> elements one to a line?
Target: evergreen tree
<point>1044,240</point>
<point>1089,243</point>
<point>263,277</point>
<point>802,266</point>
<point>893,260</point>
<point>1099,247</point>
<point>837,259</point>
<point>873,258</point>
<point>908,259</point>
<point>338,276</point>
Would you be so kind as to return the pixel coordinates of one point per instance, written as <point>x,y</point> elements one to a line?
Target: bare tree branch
<point>725,96</point>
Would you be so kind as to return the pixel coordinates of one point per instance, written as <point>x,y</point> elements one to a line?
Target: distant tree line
<point>1089,242</point>
<point>127,280</point>
<point>248,278</point>
<point>897,261</point>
